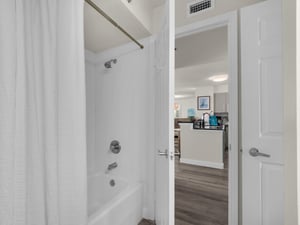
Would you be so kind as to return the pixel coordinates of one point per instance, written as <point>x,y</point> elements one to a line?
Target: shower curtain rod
<point>92,4</point>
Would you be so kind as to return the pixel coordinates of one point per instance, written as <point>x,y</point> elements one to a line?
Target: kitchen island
<point>202,147</point>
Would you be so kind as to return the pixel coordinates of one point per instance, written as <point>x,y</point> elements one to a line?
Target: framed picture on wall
<point>203,102</point>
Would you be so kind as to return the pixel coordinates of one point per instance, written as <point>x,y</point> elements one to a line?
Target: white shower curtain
<point>42,113</point>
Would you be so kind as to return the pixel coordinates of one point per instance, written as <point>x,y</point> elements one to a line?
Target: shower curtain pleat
<point>42,113</point>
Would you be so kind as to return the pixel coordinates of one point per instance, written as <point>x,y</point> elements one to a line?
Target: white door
<point>262,114</point>
<point>164,125</point>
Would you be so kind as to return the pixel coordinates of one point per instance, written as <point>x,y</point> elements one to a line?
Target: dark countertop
<point>216,128</point>
<point>210,128</point>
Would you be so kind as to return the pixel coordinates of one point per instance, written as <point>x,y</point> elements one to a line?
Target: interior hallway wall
<point>291,155</point>
<point>219,8</point>
<point>185,104</point>
<point>191,102</point>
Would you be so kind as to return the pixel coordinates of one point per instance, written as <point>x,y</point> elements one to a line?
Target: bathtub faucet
<point>112,166</point>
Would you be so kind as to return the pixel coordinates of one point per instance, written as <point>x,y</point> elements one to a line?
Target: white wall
<point>185,104</point>
<point>90,70</point>
<point>201,147</point>
<point>157,16</point>
<point>141,10</point>
<point>221,7</point>
<point>191,102</point>
<point>221,89</point>
<point>123,103</point>
<point>182,19</point>
<point>298,104</point>
<point>290,112</point>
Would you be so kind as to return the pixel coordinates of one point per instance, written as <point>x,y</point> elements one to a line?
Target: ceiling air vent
<point>199,6</point>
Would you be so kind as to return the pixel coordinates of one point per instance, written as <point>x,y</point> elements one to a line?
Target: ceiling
<point>198,57</point>
<point>135,17</point>
<point>156,3</point>
<point>201,48</point>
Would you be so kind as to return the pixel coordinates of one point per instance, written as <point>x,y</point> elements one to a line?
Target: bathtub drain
<point>112,182</point>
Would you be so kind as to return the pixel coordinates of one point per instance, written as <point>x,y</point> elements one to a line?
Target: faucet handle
<point>115,147</point>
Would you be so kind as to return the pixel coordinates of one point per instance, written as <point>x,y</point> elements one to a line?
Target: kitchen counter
<point>202,147</point>
<point>221,128</point>
<point>217,128</point>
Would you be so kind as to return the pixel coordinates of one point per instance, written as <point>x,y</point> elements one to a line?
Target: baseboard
<point>202,163</point>
<point>147,214</point>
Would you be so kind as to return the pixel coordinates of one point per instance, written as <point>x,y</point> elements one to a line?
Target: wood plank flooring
<point>201,195</point>
<point>146,222</point>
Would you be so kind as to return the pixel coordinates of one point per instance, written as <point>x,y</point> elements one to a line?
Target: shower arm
<point>100,11</point>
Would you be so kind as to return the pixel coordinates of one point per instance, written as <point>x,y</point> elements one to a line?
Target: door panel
<point>270,88</point>
<point>164,121</point>
<point>262,113</point>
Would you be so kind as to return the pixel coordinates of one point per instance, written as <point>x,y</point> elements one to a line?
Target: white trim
<point>229,20</point>
<point>204,25</point>
<point>171,110</point>
<point>202,163</point>
<point>288,169</point>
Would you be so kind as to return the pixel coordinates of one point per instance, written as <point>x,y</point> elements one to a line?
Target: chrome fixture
<point>205,117</point>
<point>255,152</point>
<point>112,166</point>
<point>115,147</point>
<point>108,63</point>
<point>168,154</point>
<point>164,153</point>
<point>112,182</point>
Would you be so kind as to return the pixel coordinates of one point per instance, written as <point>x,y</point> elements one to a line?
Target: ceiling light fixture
<point>219,78</point>
<point>179,96</point>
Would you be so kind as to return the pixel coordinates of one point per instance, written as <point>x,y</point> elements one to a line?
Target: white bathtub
<point>117,205</point>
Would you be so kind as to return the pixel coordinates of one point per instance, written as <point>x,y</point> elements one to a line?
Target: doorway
<point>191,172</point>
<point>201,172</point>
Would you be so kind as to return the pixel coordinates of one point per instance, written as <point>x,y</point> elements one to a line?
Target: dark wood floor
<point>201,195</point>
<point>146,222</point>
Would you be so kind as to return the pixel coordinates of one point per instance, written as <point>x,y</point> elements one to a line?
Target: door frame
<point>231,21</point>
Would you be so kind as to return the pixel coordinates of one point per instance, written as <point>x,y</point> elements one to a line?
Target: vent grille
<point>199,6</point>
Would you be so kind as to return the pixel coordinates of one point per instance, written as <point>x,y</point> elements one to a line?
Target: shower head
<point>108,63</point>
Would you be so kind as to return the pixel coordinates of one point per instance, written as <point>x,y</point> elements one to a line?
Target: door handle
<point>255,152</point>
<point>177,154</point>
<point>163,153</point>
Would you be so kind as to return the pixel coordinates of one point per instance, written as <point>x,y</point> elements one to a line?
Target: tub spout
<point>112,166</point>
